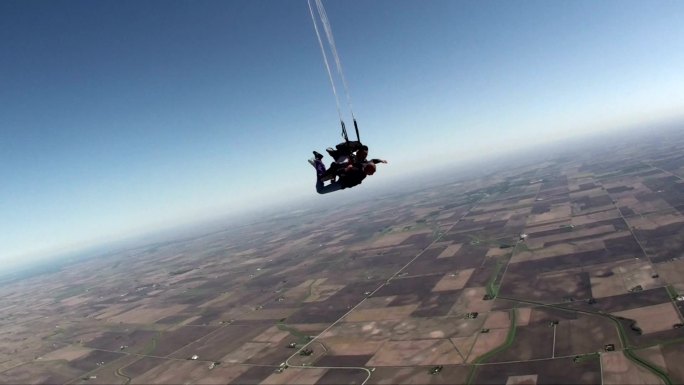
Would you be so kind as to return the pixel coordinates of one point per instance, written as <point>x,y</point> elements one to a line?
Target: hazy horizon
<point>436,177</point>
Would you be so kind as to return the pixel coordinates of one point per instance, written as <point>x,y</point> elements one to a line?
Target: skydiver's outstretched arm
<point>376,161</point>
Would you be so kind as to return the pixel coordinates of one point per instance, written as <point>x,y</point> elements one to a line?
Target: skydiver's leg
<point>331,171</point>
<point>322,189</point>
<point>321,175</point>
<point>319,166</point>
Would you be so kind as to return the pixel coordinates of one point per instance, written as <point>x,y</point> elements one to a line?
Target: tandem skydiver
<point>349,169</point>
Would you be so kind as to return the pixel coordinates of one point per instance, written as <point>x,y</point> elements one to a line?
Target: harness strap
<point>344,132</point>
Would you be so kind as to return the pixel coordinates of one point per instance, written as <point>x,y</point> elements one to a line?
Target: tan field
<point>535,243</point>
<point>654,318</point>
<point>303,289</point>
<point>641,207</point>
<point>428,328</point>
<point>654,221</point>
<point>614,279</point>
<point>218,301</point>
<point>319,350</point>
<point>68,353</point>
<point>320,292</point>
<point>190,372</point>
<point>76,300</point>
<point>497,252</point>
<point>418,376</point>
<point>502,215</point>
<point>373,330</point>
<point>522,316</point>
<point>444,353</point>
<point>641,274</point>
<point>591,193</point>
<point>245,352</point>
<point>295,376</point>
<point>381,314</point>
<point>395,238</point>
<point>487,342</point>
<point>544,227</point>
<point>450,251</point>
<point>541,253</point>
<point>107,374</point>
<point>39,373</point>
<point>632,181</point>
<point>446,216</point>
<point>264,314</point>
<point>571,246</point>
<point>464,345</point>
<point>606,286</point>
<point>619,370</point>
<point>351,346</point>
<point>498,320</point>
<point>673,272</point>
<point>309,328</point>
<point>112,311</point>
<point>470,301</point>
<point>528,379</point>
<point>654,355</point>
<point>420,352</point>
<point>272,334</point>
<point>375,302</point>
<point>456,282</point>
<point>190,321</point>
<point>557,212</point>
<point>594,217</point>
<point>145,315</point>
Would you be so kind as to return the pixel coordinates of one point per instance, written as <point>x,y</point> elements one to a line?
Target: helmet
<point>369,168</point>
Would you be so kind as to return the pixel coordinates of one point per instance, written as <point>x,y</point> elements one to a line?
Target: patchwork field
<point>548,269</point>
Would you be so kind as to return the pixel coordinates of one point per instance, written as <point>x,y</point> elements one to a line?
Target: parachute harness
<point>338,64</point>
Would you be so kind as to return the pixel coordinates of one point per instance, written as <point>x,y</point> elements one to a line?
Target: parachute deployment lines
<point>325,23</point>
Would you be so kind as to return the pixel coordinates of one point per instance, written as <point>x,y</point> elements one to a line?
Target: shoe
<point>331,152</point>
<point>318,155</point>
<point>312,162</point>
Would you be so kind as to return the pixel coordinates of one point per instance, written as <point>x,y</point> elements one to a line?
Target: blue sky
<point>119,117</point>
